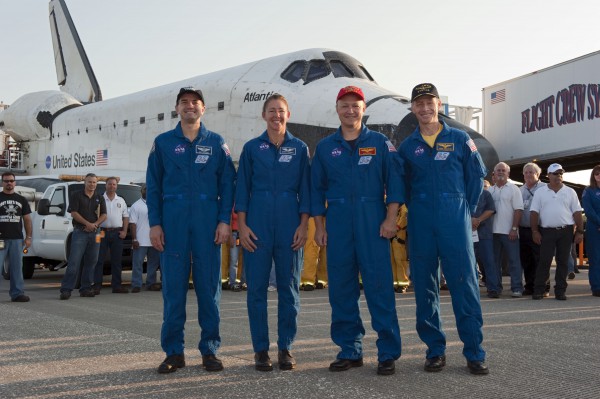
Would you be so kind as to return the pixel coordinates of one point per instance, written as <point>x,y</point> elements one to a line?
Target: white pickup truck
<point>52,224</point>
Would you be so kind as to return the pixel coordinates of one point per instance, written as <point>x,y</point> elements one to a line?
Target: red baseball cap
<point>351,90</point>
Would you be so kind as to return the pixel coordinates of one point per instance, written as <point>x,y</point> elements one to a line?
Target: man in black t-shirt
<point>88,210</point>
<point>14,210</point>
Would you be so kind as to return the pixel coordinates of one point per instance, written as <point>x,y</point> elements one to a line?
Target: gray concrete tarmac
<point>109,347</point>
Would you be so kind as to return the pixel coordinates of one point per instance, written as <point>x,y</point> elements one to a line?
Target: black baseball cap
<point>191,90</point>
<point>424,89</point>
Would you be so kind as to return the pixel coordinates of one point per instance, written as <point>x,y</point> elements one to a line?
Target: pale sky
<point>461,46</point>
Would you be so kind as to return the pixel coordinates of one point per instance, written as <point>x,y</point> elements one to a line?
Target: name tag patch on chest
<point>364,160</point>
<point>287,151</point>
<point>367,151</point>
<point>441,156</point>
<point>202,158</point>
<point>285,158</point>
<point>444,147</point>
<point>203,150</point>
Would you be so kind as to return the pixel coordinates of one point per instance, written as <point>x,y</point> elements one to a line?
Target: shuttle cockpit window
<point>340,70</point>
<point>294,72</point>
<point>312,70</point>
<point>316,70</point>
<point>367,74</point>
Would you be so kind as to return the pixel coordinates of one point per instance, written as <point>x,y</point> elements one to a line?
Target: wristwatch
<point>514,229</point>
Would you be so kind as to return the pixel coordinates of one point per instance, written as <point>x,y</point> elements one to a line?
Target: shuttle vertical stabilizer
<point>73,70</point>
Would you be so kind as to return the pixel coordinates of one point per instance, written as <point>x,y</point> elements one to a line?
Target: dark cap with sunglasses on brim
<point>555,167</point>
<point>191,90</point>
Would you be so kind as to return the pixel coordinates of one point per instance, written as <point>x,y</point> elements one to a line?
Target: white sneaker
<point>516,294</point>
<point>271,288</point>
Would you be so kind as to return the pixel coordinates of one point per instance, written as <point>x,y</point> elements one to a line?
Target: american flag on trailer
<point>101,157</point>
<point>498,96</point>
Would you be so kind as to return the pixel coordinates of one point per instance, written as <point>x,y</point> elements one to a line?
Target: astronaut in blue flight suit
<point>443,174</point>
<point>352,170</point>
<point>190,186</point>
<point>273,205</point>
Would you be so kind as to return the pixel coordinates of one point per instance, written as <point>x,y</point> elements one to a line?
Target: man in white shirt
<point>114,229</point>
<point>557,211</point>
<point>509,207</point>
<point>529,250</point>
<point>142,247</point>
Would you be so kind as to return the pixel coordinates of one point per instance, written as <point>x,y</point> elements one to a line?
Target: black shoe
<point>286,360</point>
<point>21,298</point>
<point>262,361</point>
<point>560,297</point>
<point>120,290</point>
<point>235,287</point>
<point>527,292</point>
<point>211,363</point>
<point>595,293</point>
<point>537,296</point>
<point>155,287</point>
<point>400,289</point>
<point>96,290</point>
<point>435,363</point>
<point>571,275</point>
<point>171,364</point>
<point>87,294</point>
<point>135,290</point>
<point>478,367</point>
<point>64,295</point>
<point>320,285</point>
<point>576,270</point>
<point>493,294</point>
<point>309,287</point>
<point>345,364</point>
<point>387,367</point>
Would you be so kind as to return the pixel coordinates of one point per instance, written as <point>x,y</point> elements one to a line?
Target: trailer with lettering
<point>550,115</point>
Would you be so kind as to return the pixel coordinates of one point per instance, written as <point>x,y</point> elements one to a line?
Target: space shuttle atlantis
<point>75,131</point>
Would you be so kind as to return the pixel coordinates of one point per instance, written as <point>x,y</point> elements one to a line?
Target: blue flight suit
<point>190,188</point>
<point>591,205</point>
<point>443,185</point>
<point>354,182</point>
<point>273,189</point>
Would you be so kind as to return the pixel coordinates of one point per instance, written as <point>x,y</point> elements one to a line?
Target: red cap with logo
<point>351,90</point>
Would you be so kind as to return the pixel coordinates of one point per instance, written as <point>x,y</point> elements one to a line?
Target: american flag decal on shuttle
<point>101,157</point>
